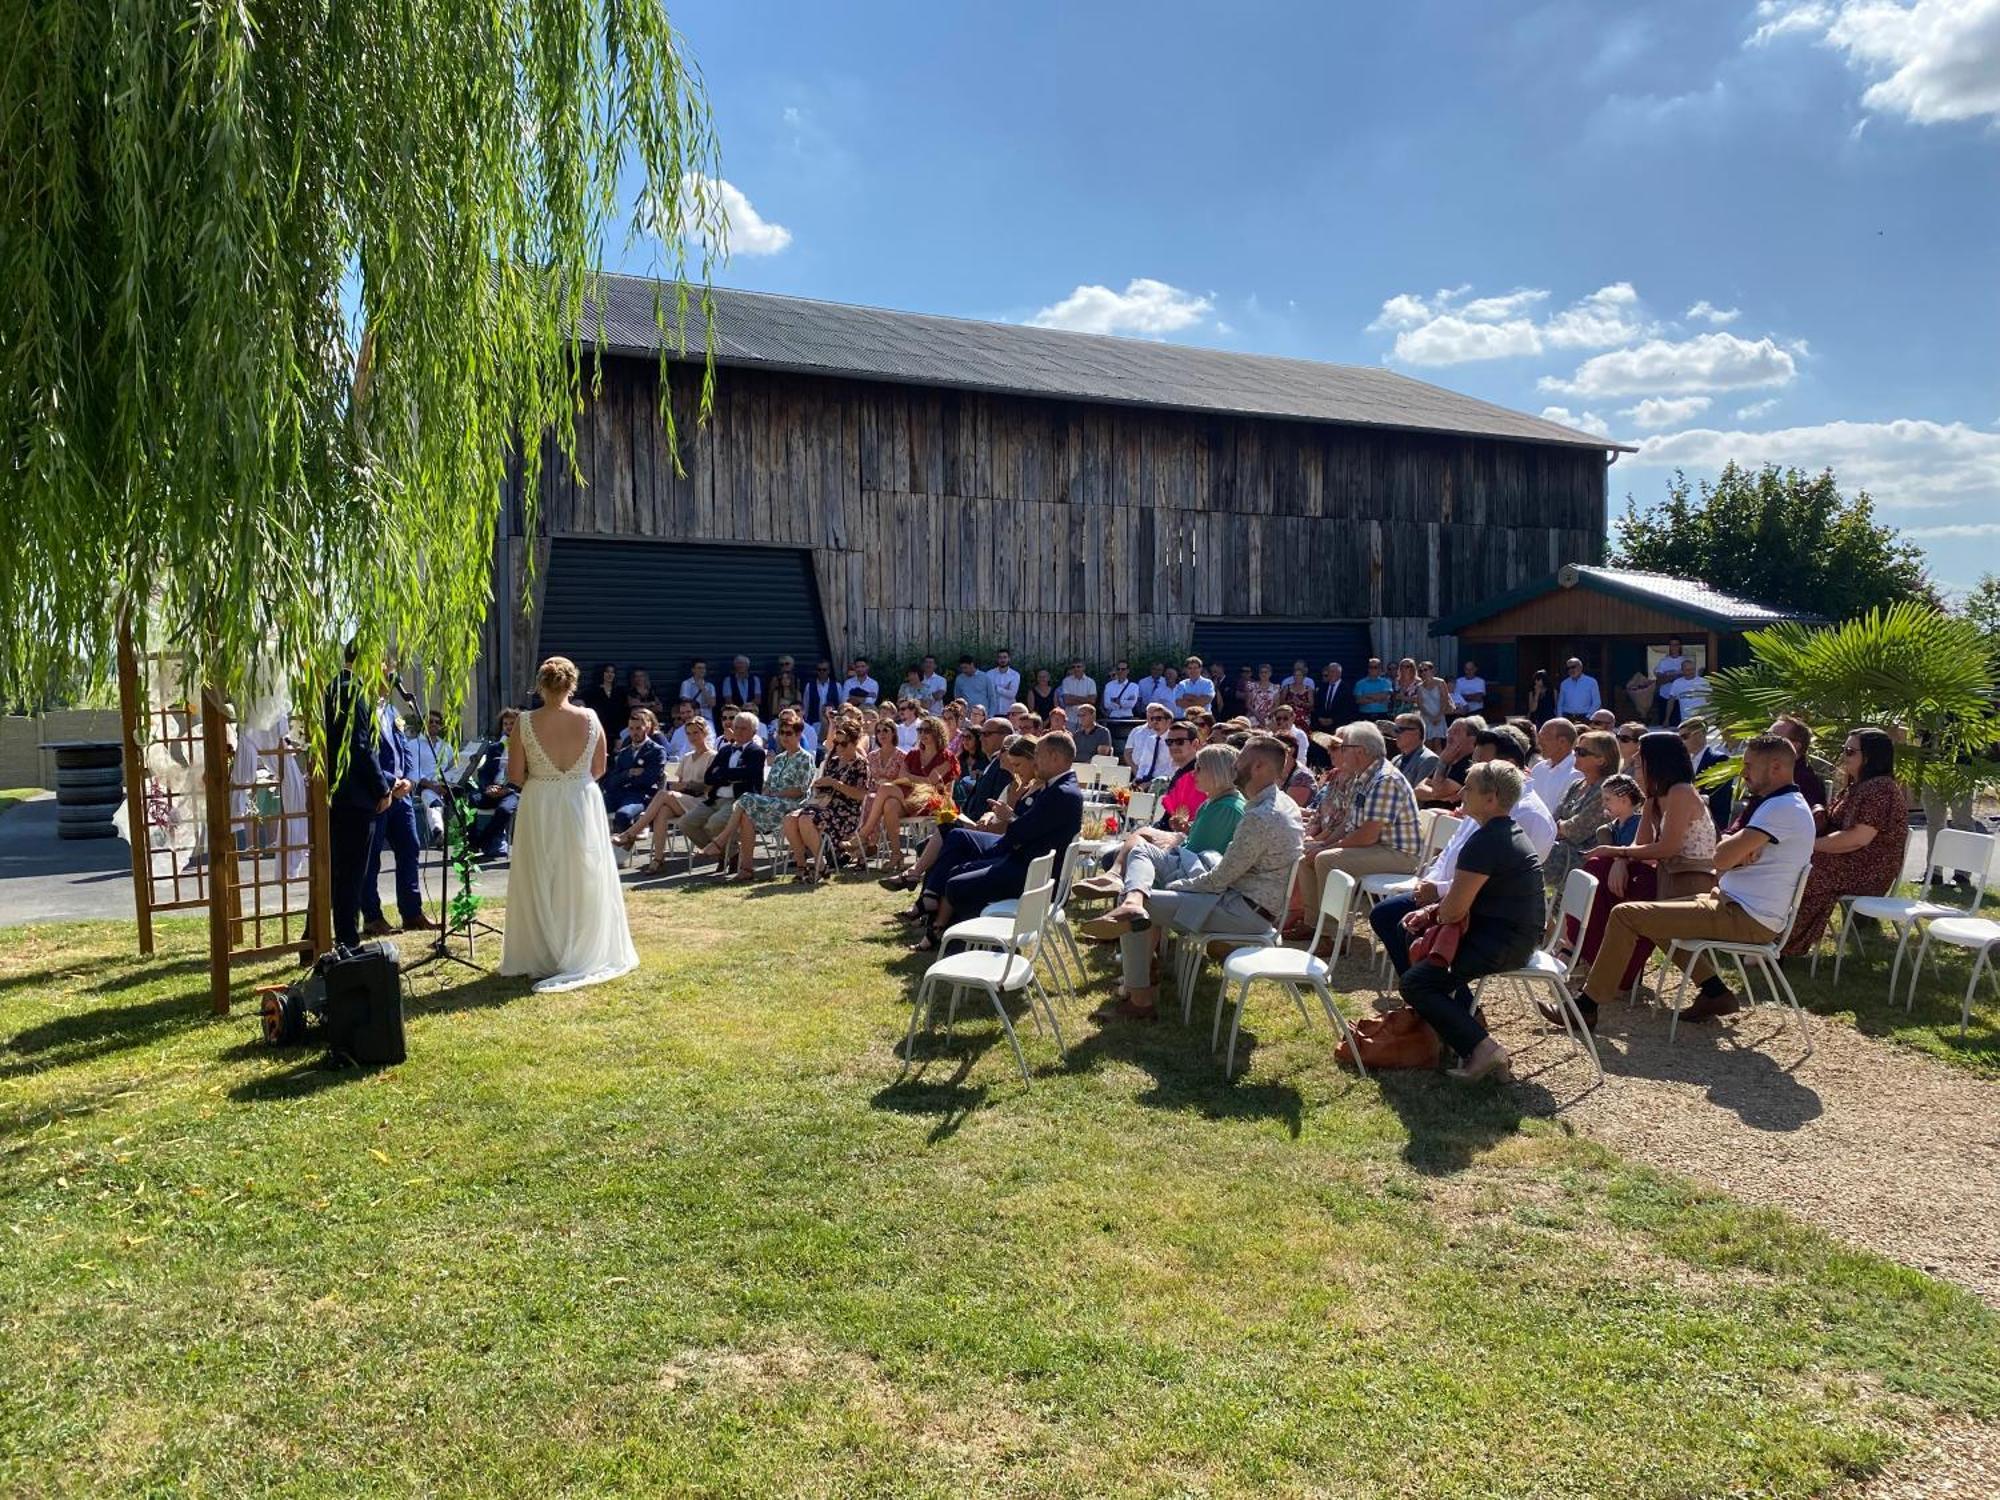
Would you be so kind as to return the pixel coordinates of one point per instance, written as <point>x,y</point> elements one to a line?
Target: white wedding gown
<point>565,906</point>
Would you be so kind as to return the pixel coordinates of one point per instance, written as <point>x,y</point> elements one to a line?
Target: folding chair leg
<point>1007,1023</point>
<point>1781,982</point>
<point>1299,1003</point>
<point>1055,1026</point>
<point>1917,968</point>
<point>1971,987</point>
<point>922,1008</point>
<point>1896,969</point>
<point>1235,1025</point>
<point>1339,1024</point>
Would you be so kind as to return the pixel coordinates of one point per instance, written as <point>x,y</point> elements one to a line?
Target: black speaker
<point>363,1015</point>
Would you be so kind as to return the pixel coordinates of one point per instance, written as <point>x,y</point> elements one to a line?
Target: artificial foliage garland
<point>464,903</point>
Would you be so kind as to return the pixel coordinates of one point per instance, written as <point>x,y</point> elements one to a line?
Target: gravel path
<point>1881,1146</point>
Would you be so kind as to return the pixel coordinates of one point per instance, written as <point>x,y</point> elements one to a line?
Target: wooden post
<point>319,890</point>
<point>215,775</point>
<point>138,826</point>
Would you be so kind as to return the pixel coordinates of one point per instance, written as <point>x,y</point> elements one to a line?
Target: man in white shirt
<point>1146,747</point>
<point>1121,696</point>
<point>907,724</point>
<point>1003,683</point>
<point>934,686</point>
<point>858,680</point>
<point>1688,693</point>
<point>1553,775</point>
<point>1666,672</point>
<point>1470,689</point>
<point>698,690</point>
<point>1155,686</point>
<point>1077,688</point>
<point>1758,869</point>
<point>1576,695</point>
<point>1194,689</point>
<point>1285,727</point>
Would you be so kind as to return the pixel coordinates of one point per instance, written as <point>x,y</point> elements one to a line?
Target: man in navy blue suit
<point>977,868</point>
<point>395,826</point>
<point>362,790</point>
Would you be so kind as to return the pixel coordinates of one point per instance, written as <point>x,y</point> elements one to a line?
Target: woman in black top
<point>1041,695</point>
<point>608,701</point>
<point>1541,700</point>
<point>1497,894</point>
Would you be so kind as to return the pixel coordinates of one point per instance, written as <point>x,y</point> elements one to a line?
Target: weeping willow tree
<point>283,284</point>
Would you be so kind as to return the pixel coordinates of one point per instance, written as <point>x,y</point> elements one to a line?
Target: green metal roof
<point>1686,598</point>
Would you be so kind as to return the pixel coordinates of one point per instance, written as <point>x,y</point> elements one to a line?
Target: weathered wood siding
<point>1063,526</point>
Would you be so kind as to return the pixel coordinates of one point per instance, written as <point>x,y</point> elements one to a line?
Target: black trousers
<point>351,836</point>
<point>1443,997</point>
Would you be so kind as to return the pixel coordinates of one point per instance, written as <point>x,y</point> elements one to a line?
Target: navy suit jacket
<point>746,775</point>
<point>355,743</point>
<point>635,773</point>
<point>1046,821</point>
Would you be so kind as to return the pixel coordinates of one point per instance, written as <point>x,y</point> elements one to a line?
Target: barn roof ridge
<point>809,335</point>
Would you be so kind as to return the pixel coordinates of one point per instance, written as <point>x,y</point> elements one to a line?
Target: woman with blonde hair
<point>565,924</point>
<point>920,785</point>
<point>683,796</point>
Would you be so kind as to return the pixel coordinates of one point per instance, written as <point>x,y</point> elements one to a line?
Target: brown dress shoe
<point>377,927</point>
<point>1709,1007</point>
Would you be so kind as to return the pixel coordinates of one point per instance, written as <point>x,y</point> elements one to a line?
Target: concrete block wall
<point>23,761</point>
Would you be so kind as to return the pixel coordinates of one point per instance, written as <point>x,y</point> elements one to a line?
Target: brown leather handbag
<point>1401,1039</point>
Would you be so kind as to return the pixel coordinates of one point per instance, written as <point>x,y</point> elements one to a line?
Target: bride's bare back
<point>561,729</point>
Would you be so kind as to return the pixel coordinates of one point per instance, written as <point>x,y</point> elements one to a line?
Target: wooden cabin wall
<point>1060,526</point>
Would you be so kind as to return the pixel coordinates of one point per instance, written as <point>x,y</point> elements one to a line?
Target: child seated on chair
<point>1622,799</point>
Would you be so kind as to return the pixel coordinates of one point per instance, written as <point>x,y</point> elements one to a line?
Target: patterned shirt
<point>1384,797</point>
<point>1258,863</point>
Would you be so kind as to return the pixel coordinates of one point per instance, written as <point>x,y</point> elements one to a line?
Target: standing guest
<point>1092,738</point>
<point>1384,836</point>
<point>737,768</point>
<point>1041,694</point>
<point>1077,688</point>
<point>1629,735</point>
<point>1577,696</point>
<point>674,802</point>
<point>607,700</point>
<point>498,795</point>
<point>1286,729</point>
<point>1496,900</point>
<point>1193,690</point>
<point>786,691</point>
<point>972,685</point>
<point>1374,691</point>
<point>786,779</point>
<point>913,690</point>
<point>1122,696</point>
<point>1580,810</point>
<point>742,688</point>
<point>396,830</point>
<point>1403,697</point>
<point>934,686</point>
<point>859,682</point>
<point>1417,762</point>
<point>1260,697</point>
<point>1470,689</point>
<point>1155,857</point>
<point>821,697</point>
<point>698,690</point>
<point>1230,690</point>
<point>1541,699</point>
<point>1434,701</point>
<point>1333,700</point>
<point>1243,895</point>
<point>1157,686</point>
<point>832,810</point>
<point>1146,746</point>
<point>1550,777</point>
<point>1443,786</point>
<point>361,793</point>
<point>1811,785</point>
<point>1046,821</point>
<point>1861,852</point>
<point>635,772</point>
<point>1688,693</point>
<point>1666,672</point>
<point>1003,681</point>
<point>1301,692</point>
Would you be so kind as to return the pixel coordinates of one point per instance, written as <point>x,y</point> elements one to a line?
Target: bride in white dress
<point>565,906</point>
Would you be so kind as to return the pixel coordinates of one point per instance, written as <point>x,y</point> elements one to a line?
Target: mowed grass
<point>694,1233</point>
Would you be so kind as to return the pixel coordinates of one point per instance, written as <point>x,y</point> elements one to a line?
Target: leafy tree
<point>1779,537</point>
<point>204,206</point>
<point>1981,606</point>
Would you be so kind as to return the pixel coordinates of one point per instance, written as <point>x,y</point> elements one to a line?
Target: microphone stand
<point>470,927</point>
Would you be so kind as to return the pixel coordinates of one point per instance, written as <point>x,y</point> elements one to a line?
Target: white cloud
<point>1706,362</point>
<point>1909,464</point>
<point>1707,312</point>
<point>1404,310</point>
<point>1453,340</point>
<point>1582,421</point>
<point>1963,532</point>
<point>1609,315</point>
<point>1441,330</point>
<point>1665,411</point>
<point>1502,309</point>
<point>1146,306</point>
<point>1757,409</point>
<point>1933,61</point>
<point>748,233</point>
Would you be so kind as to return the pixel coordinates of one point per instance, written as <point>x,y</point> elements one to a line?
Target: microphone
<point>406,695</point>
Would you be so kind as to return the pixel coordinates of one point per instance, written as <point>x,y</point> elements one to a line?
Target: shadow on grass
<point>949,1099</point>
<point>308,1076</point>
<point>83,1036</point>
<point>1451,1124</point>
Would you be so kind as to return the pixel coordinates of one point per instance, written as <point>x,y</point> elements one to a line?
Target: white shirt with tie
<point>1146,751</point>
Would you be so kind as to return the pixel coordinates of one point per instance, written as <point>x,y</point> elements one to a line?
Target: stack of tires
<point>90,783</point>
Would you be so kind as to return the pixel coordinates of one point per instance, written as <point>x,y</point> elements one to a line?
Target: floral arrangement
<point>1122,796</point>
<point>946,813</point>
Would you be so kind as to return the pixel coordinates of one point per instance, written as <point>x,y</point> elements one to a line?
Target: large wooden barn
<point>890,482</point>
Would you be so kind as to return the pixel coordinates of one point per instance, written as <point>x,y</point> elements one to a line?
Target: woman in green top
<point>1160,856</point>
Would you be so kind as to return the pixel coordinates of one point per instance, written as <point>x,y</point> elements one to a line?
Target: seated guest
<point>1297,783</point>
<point>635,772</point>
<point>1416,760</point>
<point>786,691</point>
<point>1015,764</point>
<point>1058,717</point>
<point>1580,817</point>
<point>1622,801</point>
<point>957,739</point>
<point>1146,747</point>
<point>1811,785</point>
<point>679,741</point>
<point>1694,734</point>
<point>1550,777</point>
<point>994,776</point>
<point>913,690</point>
<point>787,777</point>
<point>742,688</point>
<point>1182,794</point>
<point>1606,720</point>
<point>738,767</point>
<point>832,809</point>
<point>859,686</point>
<point>994,867</point>
<point>1861,852</point>
<point>1497,905</point>
<point>1243,895</point>
<point>921,785</point>
<point>498,794</point>
<point>1156,856</point>
<point>1092,738</point>
<point>1383,837</point>
<point>1757,867</point>
<point>1629,735</point>
<point>676,802</point>
<point>908,721</point>
<point>1442,786</point>
<point>1285,725</point>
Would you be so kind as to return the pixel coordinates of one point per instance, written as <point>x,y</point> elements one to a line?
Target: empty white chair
<point>1553,968</point>
<point>1979,934</point>
<point>1190,949</point>
<point>1086,775</point>
<point>995,974</point>
<point>1292,969</point>
<point>1763,956</point>
<point>1952,849</point>
<point>995,926</point>
<point>1111,775</point>
<point>1063,948</point>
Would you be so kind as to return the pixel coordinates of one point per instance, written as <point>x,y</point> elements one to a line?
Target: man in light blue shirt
<point>1194,690</point>
<point>970,684</point>
<point>1373,692</point>
<point>1577,697</point>
<point>1155,688</point>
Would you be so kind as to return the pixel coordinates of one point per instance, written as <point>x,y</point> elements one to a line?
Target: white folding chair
<point>1979,934</point>
<point>1086,775</point>
<point>1141,810</point>
<point>1111,776</point>
<point>994,927</point>
<point>1292,969</point>
<point>1063,947</point>
<point>1190,949</point>
<point>1554,967</point>
<point>1763,956</point>
<point>1952,849</point>
<point>1439,829</point>
<point>995,975</point>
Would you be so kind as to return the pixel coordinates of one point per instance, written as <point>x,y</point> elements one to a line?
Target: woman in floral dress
<point>1260,697</point>
<point>833,810</point>
<point>1861,853</point>
<point>787,775</point>
<point>1300,691</point>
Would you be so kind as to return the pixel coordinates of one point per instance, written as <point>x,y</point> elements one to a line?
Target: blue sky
<point>1716,229</point>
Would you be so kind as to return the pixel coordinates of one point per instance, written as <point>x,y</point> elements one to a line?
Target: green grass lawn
<point>692,1233</point>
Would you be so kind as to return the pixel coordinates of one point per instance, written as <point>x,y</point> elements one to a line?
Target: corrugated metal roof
<point>868,343</point>
<point>1687,597</point>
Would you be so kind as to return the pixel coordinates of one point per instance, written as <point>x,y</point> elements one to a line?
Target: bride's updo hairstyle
<point>556,677</point>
